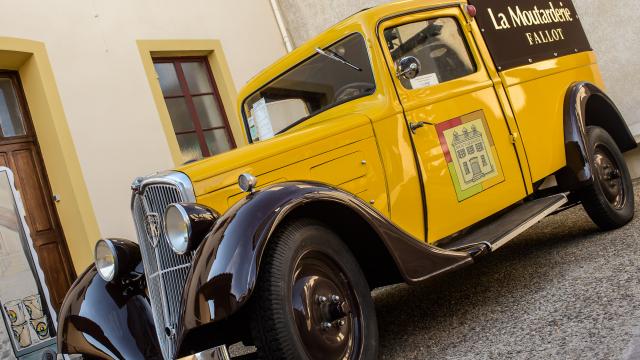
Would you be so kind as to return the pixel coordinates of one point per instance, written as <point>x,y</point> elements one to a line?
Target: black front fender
<point>226,265</point>
<point>104,320</point>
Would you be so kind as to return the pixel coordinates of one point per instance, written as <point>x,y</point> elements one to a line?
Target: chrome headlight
<point>247,182</point>
<point>115,258</point>
<point>106,260</point>
<point>186,225</point>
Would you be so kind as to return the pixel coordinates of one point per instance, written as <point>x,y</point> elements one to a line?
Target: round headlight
<point>177,227</point>
<point>186,225</point>
<point>247,182</point>
<point>106,260</point>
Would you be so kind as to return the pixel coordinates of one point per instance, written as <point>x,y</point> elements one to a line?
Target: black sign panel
<point>520,32</point>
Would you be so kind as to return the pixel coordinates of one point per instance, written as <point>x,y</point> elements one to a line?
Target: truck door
<point>464,148</point>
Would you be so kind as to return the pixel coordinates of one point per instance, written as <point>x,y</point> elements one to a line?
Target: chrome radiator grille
<point>166,272</point>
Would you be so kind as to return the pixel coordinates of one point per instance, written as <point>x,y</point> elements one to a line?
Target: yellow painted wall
<point>76,213</point>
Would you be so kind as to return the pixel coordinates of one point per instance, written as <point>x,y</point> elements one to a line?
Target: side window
<point>437,45</point>
<point>342,74</point>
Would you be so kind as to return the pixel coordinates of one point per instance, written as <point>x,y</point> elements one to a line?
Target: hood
<point>221,171</point>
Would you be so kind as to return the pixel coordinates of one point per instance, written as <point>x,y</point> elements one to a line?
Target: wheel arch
<point>226,266</point>
<point>600,107</point>
<point>362,239</point>
<point>587,105</point>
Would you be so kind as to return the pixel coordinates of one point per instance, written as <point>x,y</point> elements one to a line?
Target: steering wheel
<point>352,90</point>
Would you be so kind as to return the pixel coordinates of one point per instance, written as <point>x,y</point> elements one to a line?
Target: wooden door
<point>19,151</point>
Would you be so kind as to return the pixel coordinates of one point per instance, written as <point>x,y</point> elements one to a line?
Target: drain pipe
<point>281,25</point>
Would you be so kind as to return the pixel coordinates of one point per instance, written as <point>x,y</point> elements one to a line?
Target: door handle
<point>415,126</point>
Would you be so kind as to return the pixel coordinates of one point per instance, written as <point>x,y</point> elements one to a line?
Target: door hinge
<point>513,137</point>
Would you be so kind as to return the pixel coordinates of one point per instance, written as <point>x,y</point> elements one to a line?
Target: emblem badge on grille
<point>152,225</point>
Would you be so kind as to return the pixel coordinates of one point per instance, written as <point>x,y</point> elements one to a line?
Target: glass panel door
<point>25,313</point>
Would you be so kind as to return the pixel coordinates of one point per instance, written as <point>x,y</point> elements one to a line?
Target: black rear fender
<point>587,105</point>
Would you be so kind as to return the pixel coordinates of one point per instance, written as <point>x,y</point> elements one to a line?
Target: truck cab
<point>403,143</point>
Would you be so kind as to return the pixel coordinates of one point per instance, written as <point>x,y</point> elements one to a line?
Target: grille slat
<point>166,272</point>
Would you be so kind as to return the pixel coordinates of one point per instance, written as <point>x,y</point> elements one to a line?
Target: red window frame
<point>188,96</point>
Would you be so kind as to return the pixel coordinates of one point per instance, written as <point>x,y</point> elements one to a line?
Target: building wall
<point>610,28</point>
<point>112,118</point>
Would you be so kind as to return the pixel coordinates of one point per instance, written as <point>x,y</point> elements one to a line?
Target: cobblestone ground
<point>562,290</point>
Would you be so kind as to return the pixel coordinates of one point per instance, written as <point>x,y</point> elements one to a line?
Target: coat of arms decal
<point>470,153</point>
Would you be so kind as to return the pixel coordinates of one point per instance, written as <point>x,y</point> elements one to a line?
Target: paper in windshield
<point>262,120</point>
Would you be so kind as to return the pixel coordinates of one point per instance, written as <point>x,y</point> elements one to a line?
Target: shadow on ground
<point>563,290</point>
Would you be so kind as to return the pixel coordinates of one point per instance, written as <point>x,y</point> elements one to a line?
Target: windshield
<point>316,85</point>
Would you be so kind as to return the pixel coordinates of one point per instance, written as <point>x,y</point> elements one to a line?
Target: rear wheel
<point>609,201</point>
<point>312,300</point>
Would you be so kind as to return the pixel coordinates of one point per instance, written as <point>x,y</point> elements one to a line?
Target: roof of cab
<point>367,19</point>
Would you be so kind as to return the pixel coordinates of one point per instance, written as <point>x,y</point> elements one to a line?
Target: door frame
<point>483,71</point>
<point>31,138</point>
<point>75,210</point>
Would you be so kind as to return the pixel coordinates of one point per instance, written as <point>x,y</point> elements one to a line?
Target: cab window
<point>340,74</point>
<point>437,45</point>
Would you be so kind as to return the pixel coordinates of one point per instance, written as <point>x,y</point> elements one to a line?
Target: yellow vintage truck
<point>403,143</point>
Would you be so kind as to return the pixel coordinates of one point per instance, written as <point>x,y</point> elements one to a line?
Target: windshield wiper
<point>335,56</point>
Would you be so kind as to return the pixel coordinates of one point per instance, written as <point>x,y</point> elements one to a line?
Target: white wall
<point>613,28</point>
<point>105,93</point>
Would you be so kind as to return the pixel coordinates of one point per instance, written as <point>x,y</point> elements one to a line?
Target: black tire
<point>299,251</point>
<point>609,201</point>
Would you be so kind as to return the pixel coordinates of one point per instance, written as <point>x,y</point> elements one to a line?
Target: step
<point>495,233</point>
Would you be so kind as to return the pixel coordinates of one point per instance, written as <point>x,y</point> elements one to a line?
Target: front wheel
<point>609,201</point>
<point>312,300</point>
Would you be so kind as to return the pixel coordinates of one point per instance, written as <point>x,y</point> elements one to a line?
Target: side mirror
<point>408,67</point>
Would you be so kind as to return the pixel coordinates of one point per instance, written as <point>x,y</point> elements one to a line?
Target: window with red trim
<point>194,104</point>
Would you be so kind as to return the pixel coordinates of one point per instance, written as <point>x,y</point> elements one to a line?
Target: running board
<point>496,233</point>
